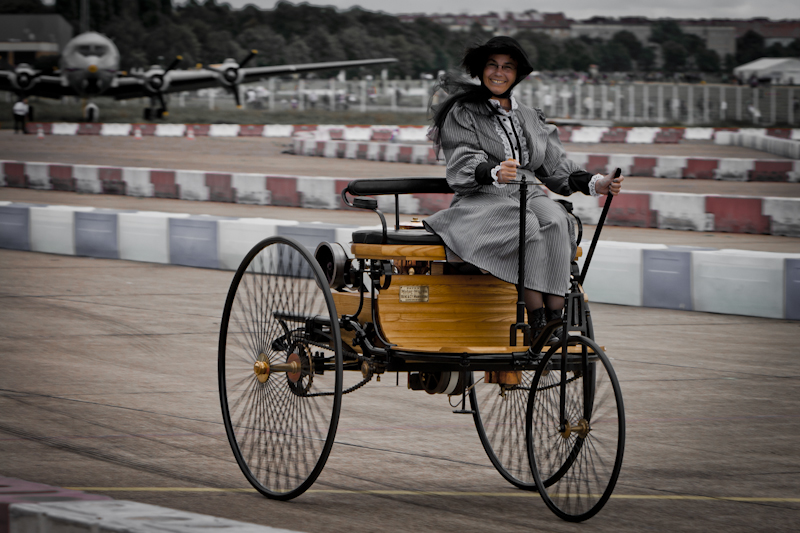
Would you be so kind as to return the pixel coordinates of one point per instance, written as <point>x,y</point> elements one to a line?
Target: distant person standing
<point>20,111</point>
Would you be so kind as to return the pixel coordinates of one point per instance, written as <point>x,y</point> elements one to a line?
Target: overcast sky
<point>575,9</point>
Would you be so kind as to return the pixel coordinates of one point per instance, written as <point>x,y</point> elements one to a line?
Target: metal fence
<point>625,103</point>
<point>657,103</point>
<point>621,103</point>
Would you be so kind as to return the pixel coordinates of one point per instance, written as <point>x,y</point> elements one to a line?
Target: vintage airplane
<point>89,67</point>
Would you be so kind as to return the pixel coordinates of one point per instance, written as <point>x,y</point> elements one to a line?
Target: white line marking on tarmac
<point>519,494</point>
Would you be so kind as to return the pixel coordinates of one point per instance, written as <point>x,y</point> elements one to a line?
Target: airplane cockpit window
<point>87,50</point>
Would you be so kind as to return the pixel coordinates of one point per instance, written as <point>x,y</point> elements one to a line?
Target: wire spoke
<point>280,431</point>
<point>576,466</point>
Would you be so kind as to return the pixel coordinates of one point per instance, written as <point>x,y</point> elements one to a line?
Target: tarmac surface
<point>108,384</point>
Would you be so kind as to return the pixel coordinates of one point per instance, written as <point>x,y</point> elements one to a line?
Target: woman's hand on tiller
<point>508,171</point>
<point>609,183</point>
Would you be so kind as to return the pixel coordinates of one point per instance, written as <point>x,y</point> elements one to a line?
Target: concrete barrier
<point>64,128</point>
<point>737,214</point>
<point>138,182</point>
<point>631,209</point>
<point>115,130</point>
<point>666,279</point>
<point>734,169</point>
<point>250,189</point>
<point>698,134</point>
<point>760,141</point>
<point>740,282</point>
<point>14,227</point>
<point>784,215</point>
<point>96,234</point>
<point>681,211</point>
<point>223,130</point>
<point>38,176</point>
<point>15,492</point>
<point>646,166</point>
<point>356,134</point>
<point>144,235</point>
<point>588,134</point>
<point>413,134</point>
<point>383,133</point>
<point>642,135</point>
<point>191,185</point>
<point>635,274</point>
<point>615,274</point>
<point>792,284</point>
<point>170,130</point>
<point>237,237</point>
<point>278,130</point>
<point>119,516</point>
<point>52,228</point>
<point>87,179</point>
<point>776,216</point>
<point>669,167</point>
<point>193,241</point>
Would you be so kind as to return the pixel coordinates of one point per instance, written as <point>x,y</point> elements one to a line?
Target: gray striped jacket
<point>469,138</point>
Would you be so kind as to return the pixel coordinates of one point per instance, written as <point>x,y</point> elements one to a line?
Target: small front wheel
<point>280,368</point>
<point>575,429</point>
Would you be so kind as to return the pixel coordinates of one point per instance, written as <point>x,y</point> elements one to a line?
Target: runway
<point>108,384</point>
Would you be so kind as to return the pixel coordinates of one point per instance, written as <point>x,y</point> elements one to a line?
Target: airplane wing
<point>191,80</point>
<point>125,87</point>
<point>5,80</point>
<point>256,73</point>
<point>45,86</point>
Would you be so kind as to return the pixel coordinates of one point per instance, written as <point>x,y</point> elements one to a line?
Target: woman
<point>486,135</point>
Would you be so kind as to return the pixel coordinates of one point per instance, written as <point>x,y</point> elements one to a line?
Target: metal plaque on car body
<point>414,293</point>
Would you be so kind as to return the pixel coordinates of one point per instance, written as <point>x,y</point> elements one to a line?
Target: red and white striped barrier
<point>696,212</point>
<point>401,134</point>
<point>679,167</point>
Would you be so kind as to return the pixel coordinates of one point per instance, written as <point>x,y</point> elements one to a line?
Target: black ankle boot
<point>550,314</point>
<point>537,321</point>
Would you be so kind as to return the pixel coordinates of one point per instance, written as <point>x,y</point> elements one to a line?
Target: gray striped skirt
<point>483,229</point>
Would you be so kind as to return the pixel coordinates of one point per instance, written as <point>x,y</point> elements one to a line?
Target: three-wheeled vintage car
<point>550,418</point>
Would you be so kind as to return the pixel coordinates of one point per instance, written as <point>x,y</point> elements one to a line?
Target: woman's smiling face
<point>500,73</point>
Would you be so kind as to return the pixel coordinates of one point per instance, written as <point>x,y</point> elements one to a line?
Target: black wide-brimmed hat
<point>475,58</point>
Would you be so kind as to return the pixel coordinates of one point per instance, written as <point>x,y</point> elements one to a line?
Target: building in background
<point>775,70</point>
<point>26,38</point>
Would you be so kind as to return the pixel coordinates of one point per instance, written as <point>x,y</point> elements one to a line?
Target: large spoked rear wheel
<point>499,413</point>
<point>280,368</point>
<point>575,459</point>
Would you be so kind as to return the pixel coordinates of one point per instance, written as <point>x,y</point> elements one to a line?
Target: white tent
<point>779,70</point>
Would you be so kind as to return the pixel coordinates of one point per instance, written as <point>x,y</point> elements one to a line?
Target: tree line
<point>154,31</point>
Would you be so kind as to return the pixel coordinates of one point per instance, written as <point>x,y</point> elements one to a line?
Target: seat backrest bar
<point>380,186</point>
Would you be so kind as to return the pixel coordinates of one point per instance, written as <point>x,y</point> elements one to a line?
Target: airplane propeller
<point>25,77</point>
<point>231,76</point>
<point>157,85</point>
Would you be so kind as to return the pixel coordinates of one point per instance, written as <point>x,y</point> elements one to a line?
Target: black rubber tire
<point>281,430</point>
<point>500,421</point>
<point>576,471</point>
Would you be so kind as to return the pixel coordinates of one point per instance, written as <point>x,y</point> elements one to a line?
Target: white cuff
<point>593,184</point>
<point>497,184</point>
